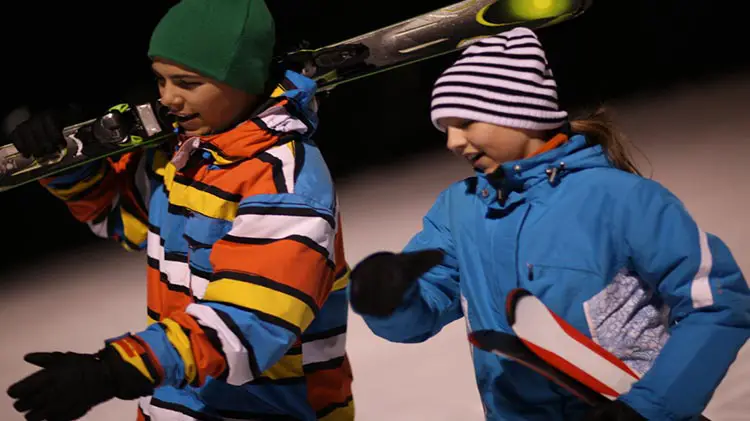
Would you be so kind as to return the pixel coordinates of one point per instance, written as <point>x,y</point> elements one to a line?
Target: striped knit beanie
<point>504,80</point>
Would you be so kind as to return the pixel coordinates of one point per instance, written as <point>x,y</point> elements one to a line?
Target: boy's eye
<point>186,85</point>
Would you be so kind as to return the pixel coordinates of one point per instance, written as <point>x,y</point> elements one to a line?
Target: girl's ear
<point>566,129</point>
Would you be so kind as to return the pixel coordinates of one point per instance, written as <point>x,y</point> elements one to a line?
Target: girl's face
<point>202,105</point>
<point>487,146</point>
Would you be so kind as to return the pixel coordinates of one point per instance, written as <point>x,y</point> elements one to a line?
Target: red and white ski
<point>566,348</point>
<point>511,347</point>
<point>557,345</point>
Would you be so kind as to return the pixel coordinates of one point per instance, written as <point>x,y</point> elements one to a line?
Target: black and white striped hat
<point>505,80</point>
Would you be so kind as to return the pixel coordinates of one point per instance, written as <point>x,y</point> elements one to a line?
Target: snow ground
<point>697,140</point>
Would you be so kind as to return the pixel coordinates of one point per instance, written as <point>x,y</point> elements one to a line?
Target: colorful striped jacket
<point>246,267</point>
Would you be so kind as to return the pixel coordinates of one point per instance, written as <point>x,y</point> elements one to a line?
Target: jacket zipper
<point>530,268</point>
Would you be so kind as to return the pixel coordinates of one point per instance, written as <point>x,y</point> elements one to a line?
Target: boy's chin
<point>201,131</point>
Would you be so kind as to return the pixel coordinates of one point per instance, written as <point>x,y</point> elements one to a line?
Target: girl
<point>558,208</point>
<point>246,270</point>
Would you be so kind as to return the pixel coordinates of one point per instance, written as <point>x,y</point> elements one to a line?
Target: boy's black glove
<point>70,384</point>
<point>378,283</point>
<point>613,411</point>
<point>41,134</point>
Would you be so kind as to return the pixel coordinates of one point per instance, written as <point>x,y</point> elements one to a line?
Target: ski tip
<point>486,339</point>
<point>475,338</point>
<point>512,300</point>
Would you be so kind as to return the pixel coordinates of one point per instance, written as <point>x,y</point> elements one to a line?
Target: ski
<point>121,129</point>
<point>563,346</point>
<point>511,347</point>
<point>127,127</point>
<point>559,346</point>
<point>442,31</point>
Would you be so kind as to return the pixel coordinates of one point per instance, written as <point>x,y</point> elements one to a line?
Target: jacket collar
<point>290,112</point>
<point>514,180</point>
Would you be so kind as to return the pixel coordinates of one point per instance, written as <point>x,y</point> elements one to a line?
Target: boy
<point>246,270</point>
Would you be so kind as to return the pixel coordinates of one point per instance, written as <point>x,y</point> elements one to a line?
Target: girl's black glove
<point>378,283</point>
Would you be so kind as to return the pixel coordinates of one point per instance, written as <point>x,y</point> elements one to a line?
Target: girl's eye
<point>465,124</point>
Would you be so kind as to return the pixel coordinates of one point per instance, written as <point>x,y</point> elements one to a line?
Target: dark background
<point>95,55</point>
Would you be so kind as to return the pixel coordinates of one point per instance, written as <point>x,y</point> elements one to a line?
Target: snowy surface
<point>697,141</point>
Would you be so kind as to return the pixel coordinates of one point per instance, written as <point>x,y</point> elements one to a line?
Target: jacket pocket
<point>536,271</point>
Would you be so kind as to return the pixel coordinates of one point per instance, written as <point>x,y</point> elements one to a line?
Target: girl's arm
<point>697,277</point>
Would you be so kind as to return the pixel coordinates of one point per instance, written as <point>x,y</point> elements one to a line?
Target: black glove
<point>40,135</point>
<point>379,282</point>
<point>70,384</point>
<point>613,411</point>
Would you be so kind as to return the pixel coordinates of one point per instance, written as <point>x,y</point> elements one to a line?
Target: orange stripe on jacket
<point>140,415</point>
<point>245,179</point>
<point>246,140</point>
<point>338,248</point>
<point>128,164</point>
<point>134,347</point>
<point>95,201</point>
<point>326,387</point>
<point>160,298</point>
<point>208,360</point>
<point>117,180</point>
<point>272,261</point>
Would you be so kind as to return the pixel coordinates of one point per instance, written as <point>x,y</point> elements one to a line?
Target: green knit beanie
<point>230,41</point>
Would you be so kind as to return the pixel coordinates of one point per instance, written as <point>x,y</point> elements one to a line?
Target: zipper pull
<point>553,171</point>
<point>551,174</point>
<point>530,267</point>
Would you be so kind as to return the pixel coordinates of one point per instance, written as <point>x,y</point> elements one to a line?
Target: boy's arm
<point>273,272</point>
<point>112,197</point>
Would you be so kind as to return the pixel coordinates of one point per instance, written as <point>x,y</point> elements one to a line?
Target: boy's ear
<point>275,76</point>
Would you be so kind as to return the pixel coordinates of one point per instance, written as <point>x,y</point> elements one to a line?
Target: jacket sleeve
<point>273,271</point>
<point>434,300</point>
<point>695,274</point>
<point>111,196</point>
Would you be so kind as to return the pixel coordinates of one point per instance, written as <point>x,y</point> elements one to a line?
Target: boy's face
<point>487,146</point>
<point>202,105</point>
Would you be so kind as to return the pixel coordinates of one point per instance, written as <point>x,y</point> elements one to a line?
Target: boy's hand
<point>70,384</point>
<point>40,135</point>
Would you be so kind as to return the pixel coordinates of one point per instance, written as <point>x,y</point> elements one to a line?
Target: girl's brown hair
<point>599,128</point>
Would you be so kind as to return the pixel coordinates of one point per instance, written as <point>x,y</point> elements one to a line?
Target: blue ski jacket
<point>616,255</point>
